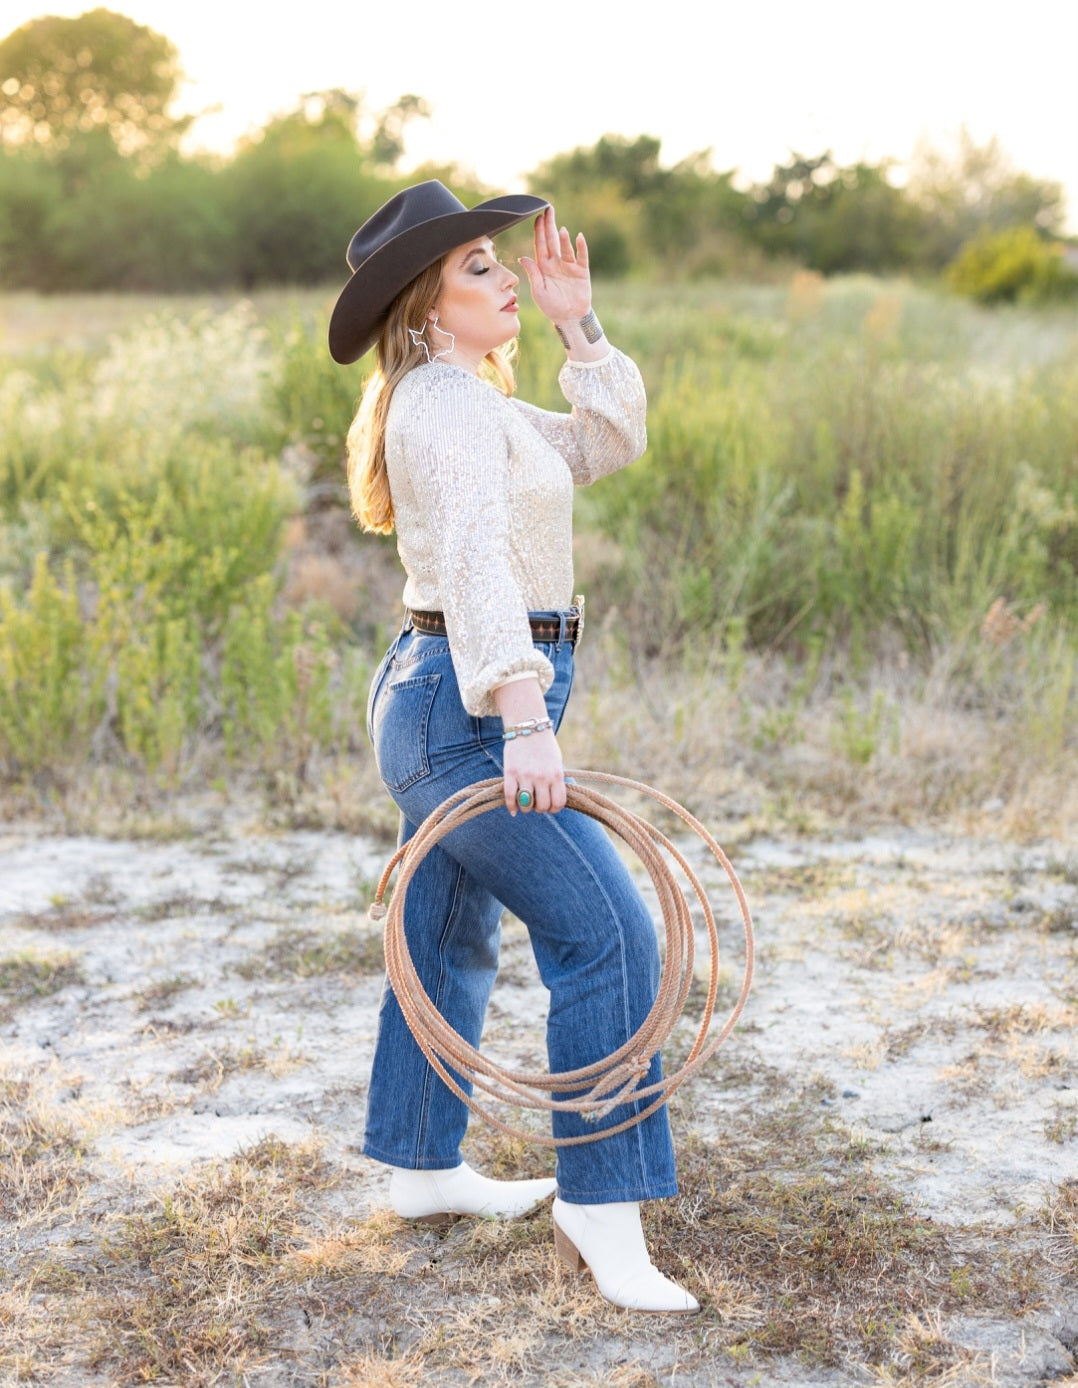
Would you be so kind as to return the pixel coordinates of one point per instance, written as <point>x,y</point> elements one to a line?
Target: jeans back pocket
<point>400,724</point>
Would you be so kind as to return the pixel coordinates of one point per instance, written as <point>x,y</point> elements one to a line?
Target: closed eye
<point>479,261</point>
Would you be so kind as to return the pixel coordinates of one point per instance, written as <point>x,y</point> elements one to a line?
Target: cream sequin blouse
<point>482,488</point>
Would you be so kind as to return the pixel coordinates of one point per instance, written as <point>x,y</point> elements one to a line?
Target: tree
<point>833,218</point>
<point>973,189</point>
<point>30,192</point>
<point>387,143</point>
<point>66,78</point>
<point>629,165</point>
<point>298,190</point>
<point>866,224</point>
<point>632,206</point>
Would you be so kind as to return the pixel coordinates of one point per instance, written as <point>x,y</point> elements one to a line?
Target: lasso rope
<point>618,1078</point>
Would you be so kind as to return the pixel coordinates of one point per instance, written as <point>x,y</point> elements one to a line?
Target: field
<point>833,612</point>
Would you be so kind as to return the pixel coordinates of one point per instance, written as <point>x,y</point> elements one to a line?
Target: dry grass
<point>214,1067</point>
<point>41,1157</point>
<point>184,1291</point>
<point>743,737</point>
<point>29,974</point>
<point>798,1250</point>
<point>305,953</point>
<point>162,992</point>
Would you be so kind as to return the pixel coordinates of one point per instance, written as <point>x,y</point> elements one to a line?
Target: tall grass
<point>828,467</point>
<point>838,474</point>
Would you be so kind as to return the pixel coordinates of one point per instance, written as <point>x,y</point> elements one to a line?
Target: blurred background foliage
<point>845,475</point>
<point>842,476</point>
<point>95,194</point>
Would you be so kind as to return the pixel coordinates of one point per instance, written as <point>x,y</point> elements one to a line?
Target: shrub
<point>311,400</point>
<point>1010,266</point>
<point>51,678</point>
<point>842,485</point>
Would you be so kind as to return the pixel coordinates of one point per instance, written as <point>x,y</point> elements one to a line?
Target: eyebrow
<point>484,248</point>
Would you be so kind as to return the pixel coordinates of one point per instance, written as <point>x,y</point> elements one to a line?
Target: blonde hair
<point>368,480</point>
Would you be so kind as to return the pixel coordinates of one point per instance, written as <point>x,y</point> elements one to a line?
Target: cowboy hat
<point>413,230</point>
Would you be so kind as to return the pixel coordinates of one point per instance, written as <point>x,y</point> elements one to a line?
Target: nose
<point>511,280</point>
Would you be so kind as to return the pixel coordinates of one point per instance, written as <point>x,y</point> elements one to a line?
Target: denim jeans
<point>593,938</point>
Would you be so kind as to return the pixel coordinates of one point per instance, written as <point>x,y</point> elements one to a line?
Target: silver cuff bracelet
<point>589,325</point>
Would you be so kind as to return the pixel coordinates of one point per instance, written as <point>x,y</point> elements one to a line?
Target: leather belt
<point>544,629</point>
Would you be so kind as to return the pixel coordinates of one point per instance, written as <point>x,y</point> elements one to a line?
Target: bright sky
<point>510,86</point>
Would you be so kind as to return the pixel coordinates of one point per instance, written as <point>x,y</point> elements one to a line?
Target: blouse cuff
<point>515,679</point>
<point>589,365</point>
<point>477,693</point>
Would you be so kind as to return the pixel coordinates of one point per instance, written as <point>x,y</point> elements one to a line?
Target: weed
<point>26,976</point>
<point>215,1067</point>
<point>303,953</point>
<point>162,992</point>
<point>1062,1127</point>
<point>860,733</point>
<point>64,915</point>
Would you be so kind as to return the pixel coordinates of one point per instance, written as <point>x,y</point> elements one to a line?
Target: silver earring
<point>419,339</point>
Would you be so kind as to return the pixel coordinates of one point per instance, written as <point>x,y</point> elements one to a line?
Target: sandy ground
<point>922,990</point>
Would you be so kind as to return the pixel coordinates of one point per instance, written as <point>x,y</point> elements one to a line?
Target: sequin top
<point>482,487</point>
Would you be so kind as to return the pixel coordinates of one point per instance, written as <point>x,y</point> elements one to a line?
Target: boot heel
<point>567,1251</point>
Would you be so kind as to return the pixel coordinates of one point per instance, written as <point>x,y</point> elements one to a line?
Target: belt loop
<point>405,627</point>
<point>561,630</point>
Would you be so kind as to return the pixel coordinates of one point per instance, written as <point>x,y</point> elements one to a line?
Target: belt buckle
<point>578,603</point>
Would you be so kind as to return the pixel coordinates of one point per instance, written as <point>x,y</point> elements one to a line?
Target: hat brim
<point>359,313</point>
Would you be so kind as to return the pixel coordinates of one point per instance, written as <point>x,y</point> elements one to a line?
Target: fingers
<point>533,782</point>
<point>530,269</point>
<point>538,798</point>
<point>543,799</point>
<point>554,243</point>
<point>546,235</point>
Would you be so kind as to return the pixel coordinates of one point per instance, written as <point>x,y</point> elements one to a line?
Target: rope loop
<point>600,1088</point>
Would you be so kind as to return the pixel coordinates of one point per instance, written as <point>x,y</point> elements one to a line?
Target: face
<point>475,303</point>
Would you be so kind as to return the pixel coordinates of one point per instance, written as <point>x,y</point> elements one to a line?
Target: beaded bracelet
<point>525,729</point>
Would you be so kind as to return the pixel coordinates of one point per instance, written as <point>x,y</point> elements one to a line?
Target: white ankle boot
<point>608,1240</point>
<point>437,1197</point>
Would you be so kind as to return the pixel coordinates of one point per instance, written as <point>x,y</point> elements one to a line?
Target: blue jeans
<point>593,938</point>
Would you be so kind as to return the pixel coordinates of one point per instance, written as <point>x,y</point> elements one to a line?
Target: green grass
<point>26,976</point>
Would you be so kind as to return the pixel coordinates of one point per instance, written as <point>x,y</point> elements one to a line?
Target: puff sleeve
<point>606,429</point>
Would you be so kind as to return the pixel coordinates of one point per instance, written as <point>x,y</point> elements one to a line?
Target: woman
<point>478,486</point>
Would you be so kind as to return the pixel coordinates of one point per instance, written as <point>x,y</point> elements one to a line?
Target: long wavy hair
<point>368,480</point>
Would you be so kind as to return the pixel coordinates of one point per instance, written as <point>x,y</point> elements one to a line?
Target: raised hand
<point>559,276</point>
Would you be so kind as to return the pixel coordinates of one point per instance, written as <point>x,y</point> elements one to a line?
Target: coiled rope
<point>618,1078</point>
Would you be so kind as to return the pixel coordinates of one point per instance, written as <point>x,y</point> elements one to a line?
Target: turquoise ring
<point>524,799</point>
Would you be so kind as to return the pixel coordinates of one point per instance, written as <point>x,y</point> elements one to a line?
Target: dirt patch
<point>878,1172</point>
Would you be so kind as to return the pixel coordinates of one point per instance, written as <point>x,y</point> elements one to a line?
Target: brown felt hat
<point>413,230</point>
